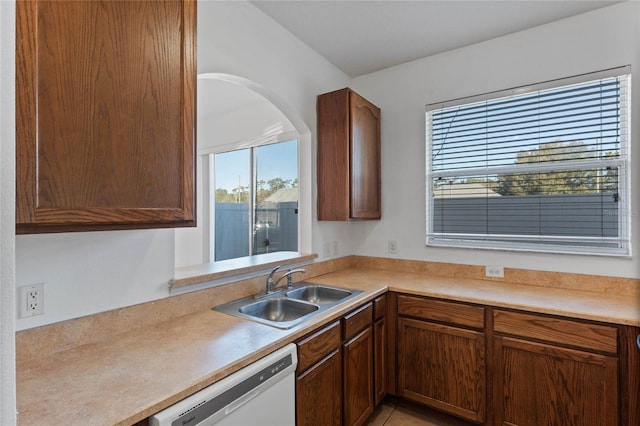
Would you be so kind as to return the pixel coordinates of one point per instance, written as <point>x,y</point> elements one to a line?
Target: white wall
<point>7,214</point>
<point>85,273</point>
<point>253,121</point>
<point>218,128</point>
<point>597,40</point>
<point>283,64</point>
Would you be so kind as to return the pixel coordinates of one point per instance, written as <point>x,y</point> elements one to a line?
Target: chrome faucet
<point>271,284</point>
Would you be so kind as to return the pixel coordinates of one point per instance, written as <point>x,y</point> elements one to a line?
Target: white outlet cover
<point>31,300</point>
<point>494,271</point>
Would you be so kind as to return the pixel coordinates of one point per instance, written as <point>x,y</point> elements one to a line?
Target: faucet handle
<point>291,272</point>
<point>289,282</point>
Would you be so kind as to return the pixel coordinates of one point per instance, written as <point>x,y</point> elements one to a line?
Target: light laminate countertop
<point>133,375</point>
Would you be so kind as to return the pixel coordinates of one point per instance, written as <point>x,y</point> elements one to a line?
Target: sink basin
<point>286,308</point>
<point>278,310</point>
<point>318,294</point>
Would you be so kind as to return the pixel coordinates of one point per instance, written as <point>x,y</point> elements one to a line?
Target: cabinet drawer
<point>357,320</point>
<point>440,310</point>
<point>312,348</point>
<point>556,330</point>
<point>379,307</point>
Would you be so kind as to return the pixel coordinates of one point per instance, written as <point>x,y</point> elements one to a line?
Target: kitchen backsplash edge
<point>569,281</point>
<point>51,338</point>
<point>40,341</point>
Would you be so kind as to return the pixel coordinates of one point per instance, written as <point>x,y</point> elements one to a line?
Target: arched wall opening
<point>234,111</point>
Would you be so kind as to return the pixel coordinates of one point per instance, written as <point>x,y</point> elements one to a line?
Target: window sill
<point>198,274</point>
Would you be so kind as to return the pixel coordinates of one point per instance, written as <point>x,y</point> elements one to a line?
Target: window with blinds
<point>541,168</point>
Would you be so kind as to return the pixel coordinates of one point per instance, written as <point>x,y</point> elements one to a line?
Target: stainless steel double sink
<point>288,307</point>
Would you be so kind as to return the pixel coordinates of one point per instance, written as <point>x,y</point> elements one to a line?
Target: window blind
<point>544,170</point>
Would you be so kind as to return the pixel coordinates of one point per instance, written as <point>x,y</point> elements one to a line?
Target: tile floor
<point>400,413</point>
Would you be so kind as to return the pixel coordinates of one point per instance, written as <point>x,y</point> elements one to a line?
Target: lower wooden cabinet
<point>319,393</point>
<point>379,360</point>
<point>319,377</point>
<point>358,378</point>
<point>554,371</point>
<point>358,365</point>
<point>335,375</point>
<point>443,367</point>
<point>499,366</point>
<point>540,384</point>
<point>490,366</point>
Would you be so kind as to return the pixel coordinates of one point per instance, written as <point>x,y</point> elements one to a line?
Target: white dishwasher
<point>262,393</point>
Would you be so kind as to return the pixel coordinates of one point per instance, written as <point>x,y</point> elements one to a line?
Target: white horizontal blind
<point>545,170</point>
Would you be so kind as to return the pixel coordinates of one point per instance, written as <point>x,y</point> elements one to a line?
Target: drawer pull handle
<point>638,341</point>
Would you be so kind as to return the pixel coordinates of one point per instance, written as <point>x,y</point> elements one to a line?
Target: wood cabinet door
<point>333,155</point>
<point>442,367</point>
<point>537,384</point>
<point>348,157</point>
<point>105,114</point>
<point>319,393</point>
<point>379,360</point>
<point>358,378</point>
<point>629,374</point>
<point>365,158</point>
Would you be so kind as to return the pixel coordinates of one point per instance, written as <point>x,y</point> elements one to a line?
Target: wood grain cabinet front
<point>553,371</point>
<point>335,376</point>
<point>358,375</point>
<point>541,384</point>
<point>508,367</point>
<point>380,338</point>
<point>349,177</point>
<point>105,114</point>
<point>441,361</point>
<point>319,393</point>
<point>319,377</point>
<point>358,379</point>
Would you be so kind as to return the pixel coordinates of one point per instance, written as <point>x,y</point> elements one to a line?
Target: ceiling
<point>363,36</point>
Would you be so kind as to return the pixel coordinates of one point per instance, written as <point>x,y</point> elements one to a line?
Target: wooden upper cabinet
<point>105,105</point>
<point>348,157</point>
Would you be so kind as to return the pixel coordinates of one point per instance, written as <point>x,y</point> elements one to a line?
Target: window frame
<point>522,242</point>
<point>209,199</point>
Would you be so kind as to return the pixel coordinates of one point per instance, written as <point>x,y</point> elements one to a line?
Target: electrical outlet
<point>336,248</point>
<point>494,271</point>
<point>392,247</point>
<point>31,300</point>
<point>326,248</point>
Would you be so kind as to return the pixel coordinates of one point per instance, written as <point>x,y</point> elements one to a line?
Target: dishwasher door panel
<point>265,409</point>
<point>260,394</point>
